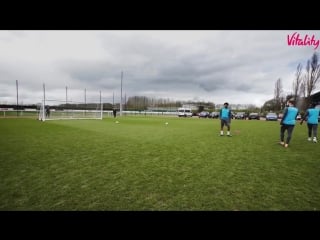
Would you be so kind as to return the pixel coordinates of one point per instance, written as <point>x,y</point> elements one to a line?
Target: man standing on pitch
<point>47,111</point>
<point>225,117</point>
<point>287,122</point>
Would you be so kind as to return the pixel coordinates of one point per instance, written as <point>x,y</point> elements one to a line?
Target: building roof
<point>315,97</point>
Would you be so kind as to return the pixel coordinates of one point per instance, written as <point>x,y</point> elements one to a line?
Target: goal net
<point>57,110</point>
<point>66,109</point>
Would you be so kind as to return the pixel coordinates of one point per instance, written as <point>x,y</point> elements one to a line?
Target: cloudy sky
<point>240,67</point>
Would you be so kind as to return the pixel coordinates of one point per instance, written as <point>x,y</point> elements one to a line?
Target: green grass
<point>142,164</point>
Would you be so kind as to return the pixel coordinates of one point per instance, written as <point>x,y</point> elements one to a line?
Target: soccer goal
<point>90,108</point>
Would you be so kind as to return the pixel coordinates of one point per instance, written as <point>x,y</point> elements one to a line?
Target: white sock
<point>221,132</point>
<point>228,133</point>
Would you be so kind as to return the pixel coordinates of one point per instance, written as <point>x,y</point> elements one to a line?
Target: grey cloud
<point>179,64</point>
<point>84,70</point>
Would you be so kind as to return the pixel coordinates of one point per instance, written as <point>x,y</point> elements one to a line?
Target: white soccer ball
<point>166,123</point>
<point>117,122</point>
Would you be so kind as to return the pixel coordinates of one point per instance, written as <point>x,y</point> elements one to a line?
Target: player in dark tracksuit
<point>225,117</point>
<point>47,111</point>
<point>312,116</point>
<point>288,122</point>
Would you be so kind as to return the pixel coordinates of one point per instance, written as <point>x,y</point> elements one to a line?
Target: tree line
<point>303,85</point>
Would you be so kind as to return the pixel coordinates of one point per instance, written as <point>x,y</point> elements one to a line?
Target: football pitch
<point>141,163</point>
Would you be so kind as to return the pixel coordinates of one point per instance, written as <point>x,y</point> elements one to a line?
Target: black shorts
<point>225,122</point>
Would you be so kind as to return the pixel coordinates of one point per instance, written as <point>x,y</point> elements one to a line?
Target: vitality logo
<point>296,40</point>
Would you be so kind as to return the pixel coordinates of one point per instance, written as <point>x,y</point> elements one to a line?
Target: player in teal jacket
<point>288,122</point>
<point>312,115</point>
<point>225,117</point>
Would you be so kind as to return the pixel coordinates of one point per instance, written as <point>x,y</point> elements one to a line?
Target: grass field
<point>143,164</point>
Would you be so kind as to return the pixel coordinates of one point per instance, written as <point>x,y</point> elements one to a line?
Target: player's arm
<point>230,116</point>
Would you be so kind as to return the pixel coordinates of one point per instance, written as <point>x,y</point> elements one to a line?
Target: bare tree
<point>302,90</point>
<point>312,76</point>
<point>297,82</point>
<point>296,86</point>
<point>278,94</point>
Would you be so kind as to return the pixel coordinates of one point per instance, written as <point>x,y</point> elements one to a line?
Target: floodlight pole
<point>66,108</point>
<point>17,96</point>
<point>66,95</point>
<point>44,103</point>
<point>85,101</point>
<point>101,106</point>
<point>121,95</point>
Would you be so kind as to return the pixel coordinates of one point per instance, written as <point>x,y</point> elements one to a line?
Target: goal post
<point>58,109</point>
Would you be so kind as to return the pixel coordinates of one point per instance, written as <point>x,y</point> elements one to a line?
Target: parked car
<point>298,117</point>
<point>214,115</point>
<point>254,116</point>
<point>240,115</point>
<point>280,116</point>
<point>203,114</point>
<point>271,117</point>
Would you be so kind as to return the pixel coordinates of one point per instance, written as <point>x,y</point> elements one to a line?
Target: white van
<point>184,112</point>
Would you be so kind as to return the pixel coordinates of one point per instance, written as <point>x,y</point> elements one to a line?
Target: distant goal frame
<point>69,111</point>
